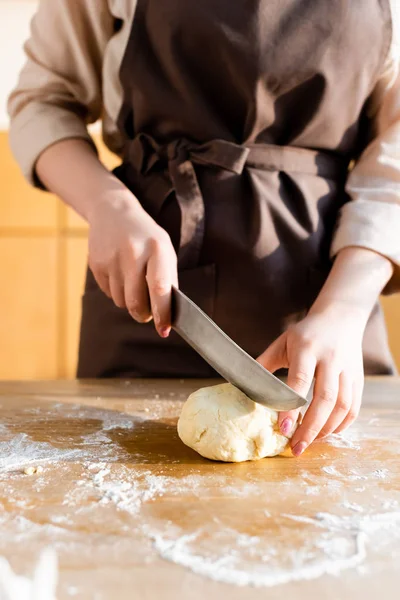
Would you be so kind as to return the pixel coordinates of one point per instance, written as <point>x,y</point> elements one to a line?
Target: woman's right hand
<point>132,259</point>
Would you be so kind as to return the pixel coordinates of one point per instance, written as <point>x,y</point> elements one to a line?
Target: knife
<point>229,359</point>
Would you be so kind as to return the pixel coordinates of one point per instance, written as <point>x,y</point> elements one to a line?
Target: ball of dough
<point>222,423</point>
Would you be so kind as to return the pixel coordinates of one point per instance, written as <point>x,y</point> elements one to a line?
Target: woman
<point>260,144</point>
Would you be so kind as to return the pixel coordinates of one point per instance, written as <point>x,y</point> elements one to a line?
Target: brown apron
<point>241,118</point>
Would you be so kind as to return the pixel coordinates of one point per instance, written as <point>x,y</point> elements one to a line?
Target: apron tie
<point>180,156</point>
<point>170,168</point>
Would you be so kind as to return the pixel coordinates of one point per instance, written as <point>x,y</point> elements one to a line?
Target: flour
<point>21,451</point>
<point>72,591</point>
<point>354,475</point>
<point>343,440</point>
<point>227,570</point>
<point>381,473</point>
<point>357,523</point>
<point>129,495</point>
<point>313,490</point>
<point>42,585</point>
<point>352,506</point>
<point>233,557</point>
<point>114,487</point>
<point>331,471</point>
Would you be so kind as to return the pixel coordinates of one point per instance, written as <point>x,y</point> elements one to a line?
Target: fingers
<point>342,407</point>
<point>103,282</point>
<point>275,356</point>
<point>287,420</point>
<point>325,394</point>
<point>117,289</point>
<point>137,297</point>
<point>300,377</point>
<point>160,279</point>
<point>357,391</point>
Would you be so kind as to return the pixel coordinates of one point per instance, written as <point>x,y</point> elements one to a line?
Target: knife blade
<point>228,358</point>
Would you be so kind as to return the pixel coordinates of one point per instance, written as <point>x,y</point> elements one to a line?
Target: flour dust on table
<point>40,586</point>
<point>119,494</point>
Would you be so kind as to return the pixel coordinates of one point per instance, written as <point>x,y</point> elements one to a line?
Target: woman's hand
<point>328,346</point>
<point>132,259</point>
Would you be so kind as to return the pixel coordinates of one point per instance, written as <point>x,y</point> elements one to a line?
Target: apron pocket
<point>199,284</point>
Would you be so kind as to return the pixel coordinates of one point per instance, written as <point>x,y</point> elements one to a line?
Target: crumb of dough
<point>33,470</point>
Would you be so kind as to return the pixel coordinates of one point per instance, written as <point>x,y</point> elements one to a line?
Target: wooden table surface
<point>134,514</point>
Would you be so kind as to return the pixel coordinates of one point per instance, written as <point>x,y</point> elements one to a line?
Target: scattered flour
<point>381,473</point>
<point>354,475</point>
<point>352,506</point>
<point>313,490</point>
<point>42,585</point>
<point>129,495</point>
<point>241,559</point>
<point>21,451</point>
<point>330,470</point>
<point>355,523</point>
<point>343,440</point>
<point>328,543</point>
<point>226,570</point>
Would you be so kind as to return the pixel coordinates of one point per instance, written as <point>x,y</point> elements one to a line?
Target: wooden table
<point>133,513</point>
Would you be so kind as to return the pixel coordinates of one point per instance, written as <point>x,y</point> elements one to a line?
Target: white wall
<point>15,16</point>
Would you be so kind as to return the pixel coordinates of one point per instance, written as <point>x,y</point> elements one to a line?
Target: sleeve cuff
<point>39,126</point>
<point>375,226</point>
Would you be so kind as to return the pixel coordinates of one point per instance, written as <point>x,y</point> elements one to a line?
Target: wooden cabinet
<point>391,306</point>
<point>30,308</point>
<point>75,255</point>
<point>43,251</point>
<point>22,207</point>
<point>43,256</point>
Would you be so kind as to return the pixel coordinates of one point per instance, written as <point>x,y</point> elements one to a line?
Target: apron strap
<point>179,157</point>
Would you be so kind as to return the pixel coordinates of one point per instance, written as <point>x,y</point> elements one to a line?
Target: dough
<point>33,470</point>
<point>222,423</point>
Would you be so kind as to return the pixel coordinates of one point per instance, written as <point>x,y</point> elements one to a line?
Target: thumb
<point>301,370</point>
<point>274,358</point>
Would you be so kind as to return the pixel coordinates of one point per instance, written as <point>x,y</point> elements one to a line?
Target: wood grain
<point>76,260</point>
<point>21,206</point>
<point>116,542</point>
<point>28,317</point>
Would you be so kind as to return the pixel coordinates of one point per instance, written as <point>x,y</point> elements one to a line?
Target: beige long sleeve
<point>372,218</point>
<point>60,89</point>
<point>71,79</point>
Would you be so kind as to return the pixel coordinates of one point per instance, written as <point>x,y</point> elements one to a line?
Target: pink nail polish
<point>286,426</point>
<point>299,448</point>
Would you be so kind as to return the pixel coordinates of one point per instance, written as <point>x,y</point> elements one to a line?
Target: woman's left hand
<point>326,345</point>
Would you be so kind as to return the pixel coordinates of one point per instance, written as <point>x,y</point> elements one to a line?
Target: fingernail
<point>165,332</point>
<point>286,426</point>
<point>299,448</point>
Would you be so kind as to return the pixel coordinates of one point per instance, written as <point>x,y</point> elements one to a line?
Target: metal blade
<point>228,359</point>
